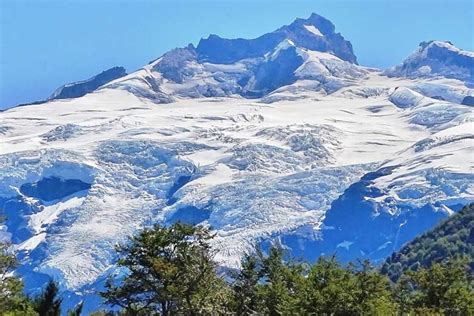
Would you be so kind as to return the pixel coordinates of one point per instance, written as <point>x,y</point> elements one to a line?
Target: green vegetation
<point>48,303</point>
<point>437,290</point>
<point>272,286</point>
<point>170,271</point>
<point>453,238</point>
<point>12,300</point>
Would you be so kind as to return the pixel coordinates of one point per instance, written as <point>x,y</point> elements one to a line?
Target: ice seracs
<point>283,138</point>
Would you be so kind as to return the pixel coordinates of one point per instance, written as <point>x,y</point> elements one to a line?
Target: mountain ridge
<point>325,40</point>
<point>437,58</point>
<point>451,239</point>
<point>236,67</point>
<point>80,88</point>
<point>296,147</point>
<point>220,67</point>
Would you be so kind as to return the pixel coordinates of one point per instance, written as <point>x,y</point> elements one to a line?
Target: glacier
<point>285,139</point>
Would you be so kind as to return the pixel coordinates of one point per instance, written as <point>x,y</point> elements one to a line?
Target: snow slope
<point>437,59</point>
<point>339,159</point>
<point>253,170</point>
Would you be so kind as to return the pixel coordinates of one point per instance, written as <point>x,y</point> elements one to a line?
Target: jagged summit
<point>437,58</point>
<point>307,54</point>
<point>305,50</point>
<point>318,33</point>
<point>314,33</point>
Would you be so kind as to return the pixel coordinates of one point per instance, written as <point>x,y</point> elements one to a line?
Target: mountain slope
<point>437,58</point>
<point>315,33</point>
<point>80,88</point>
<point>294,146</point>
<point>307,49</point>
<point>452,238</point>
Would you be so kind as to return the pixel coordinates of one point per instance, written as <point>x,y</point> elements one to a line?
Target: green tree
<point>48,303</point>
<point>12,300</point>
<point>373,295</point>
<point>245,296</point>
<point>451,239</point>
<point>10,286</point>
<point>402,294</point>
<point>330,289</point>
<point>168,270</point>
<point>443,288</point>
<point>282,282</point>
<point>102,313</point>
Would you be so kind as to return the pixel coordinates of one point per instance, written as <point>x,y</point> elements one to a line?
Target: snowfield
<point>250,170</point>
<point>340,158</point>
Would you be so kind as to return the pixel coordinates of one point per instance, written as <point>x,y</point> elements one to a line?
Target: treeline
<point>170,271</point>
<point>452,238</point>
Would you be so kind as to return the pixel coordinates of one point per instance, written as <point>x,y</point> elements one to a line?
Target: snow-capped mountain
<point>437,58</point>
<point>304,50</point>
<point>283,138</point>
<point>315,33</point>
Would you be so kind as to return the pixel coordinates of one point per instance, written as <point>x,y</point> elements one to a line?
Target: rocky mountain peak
<point>314,33</point>
<point>318,33</point>
<point>323,24</point>
<point>437,58</point>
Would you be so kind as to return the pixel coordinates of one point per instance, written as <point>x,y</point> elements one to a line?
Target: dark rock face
<point>80,88</point>
<point>190,215</point>
<point>448,57</point>
<point>372,232</point>
<point>220,50</point>
<point>265,63</point>
<point>14,210</point>
<point>278,72</point>
<point>256,80</point>
<point>226,51</point>
<point>173,64</point>
<point>177,185</point>
<point>251,68</point>
<point>356,227</point>
<point>329,42</point>
<point>468,100</point>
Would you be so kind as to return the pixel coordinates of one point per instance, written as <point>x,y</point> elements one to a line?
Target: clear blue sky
<point>47,43</point>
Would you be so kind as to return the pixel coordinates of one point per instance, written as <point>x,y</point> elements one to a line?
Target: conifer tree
<point>48,303</point>
<point>330,289</point>
<point>246,300</point>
